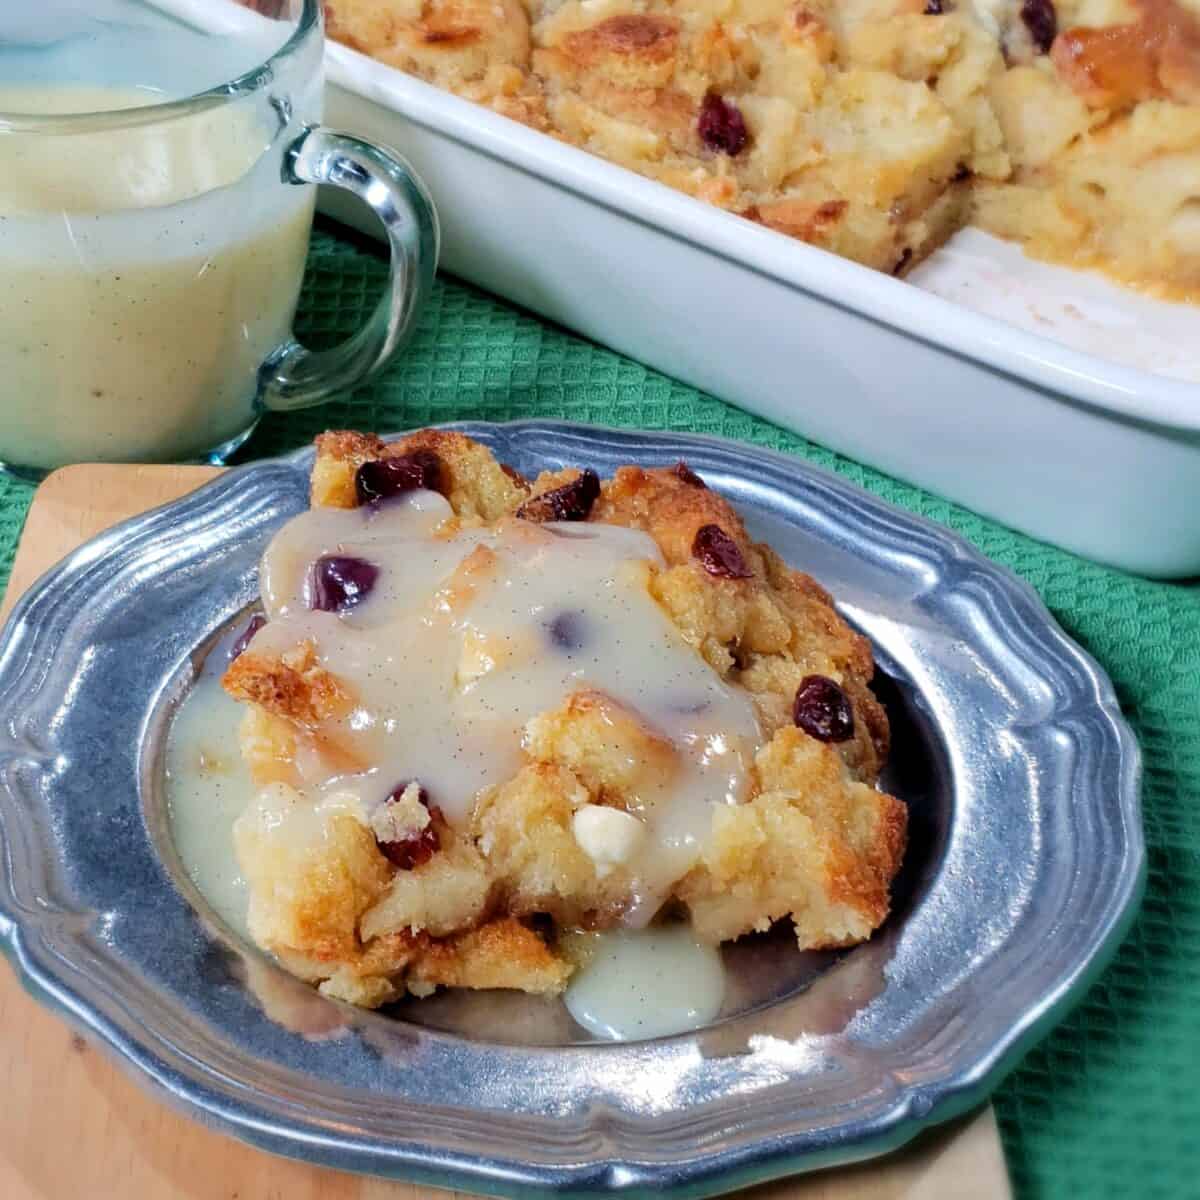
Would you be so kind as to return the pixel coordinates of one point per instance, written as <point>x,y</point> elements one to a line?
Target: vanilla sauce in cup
<point>148,269</point>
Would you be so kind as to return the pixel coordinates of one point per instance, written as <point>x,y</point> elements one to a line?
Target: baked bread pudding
<point>872,128</point>
<point>483,712</point>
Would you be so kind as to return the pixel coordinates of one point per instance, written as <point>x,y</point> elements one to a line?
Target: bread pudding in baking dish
<point>483,712</point>
<point>872,128</point>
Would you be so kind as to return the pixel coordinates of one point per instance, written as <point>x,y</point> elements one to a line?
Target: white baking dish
<point>1098,456</point>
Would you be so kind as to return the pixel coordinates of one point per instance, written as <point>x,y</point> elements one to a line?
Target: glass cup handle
<point>295,377</point>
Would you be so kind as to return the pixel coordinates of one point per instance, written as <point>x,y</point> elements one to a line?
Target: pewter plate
<point>1025,866</point>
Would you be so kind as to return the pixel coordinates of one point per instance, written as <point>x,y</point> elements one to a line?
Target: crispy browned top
<point>1115,66</point>
<point>634,33</point>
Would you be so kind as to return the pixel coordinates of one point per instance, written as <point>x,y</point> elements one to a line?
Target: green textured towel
<point>1107,1105</point>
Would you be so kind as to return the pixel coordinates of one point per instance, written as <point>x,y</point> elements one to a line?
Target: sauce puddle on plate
<point>208,787</point>
<point>645,983</point>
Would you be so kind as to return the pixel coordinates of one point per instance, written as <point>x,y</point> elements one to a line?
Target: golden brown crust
<point>1154,57</point>
<point>501,954</point>
<point>498,954</point>
<point>293,686</point>
<point>671,511</point>
<point>456,44</point>
<point>630,34</point>
<point>339,454</point>
<point>806,220</point>
<point>813,844</point>
<point>478,488</point>
<point>863,879</point>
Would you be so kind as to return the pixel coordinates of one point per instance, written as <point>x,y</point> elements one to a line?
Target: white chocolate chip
<point>608,836</point>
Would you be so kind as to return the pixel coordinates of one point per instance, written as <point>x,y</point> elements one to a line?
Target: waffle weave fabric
<point>1107,1104</point>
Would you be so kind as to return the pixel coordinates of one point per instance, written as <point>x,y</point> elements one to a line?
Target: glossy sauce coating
<point>462,639</point>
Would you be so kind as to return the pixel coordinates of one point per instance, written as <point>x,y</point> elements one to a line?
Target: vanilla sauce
<point>208,787</point>
<point>149,267</point>
<point>645,983</point>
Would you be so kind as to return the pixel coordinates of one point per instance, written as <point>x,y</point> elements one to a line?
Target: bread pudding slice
<point>484,710</point>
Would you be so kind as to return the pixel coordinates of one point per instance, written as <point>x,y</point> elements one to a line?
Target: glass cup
<point>157,168</point>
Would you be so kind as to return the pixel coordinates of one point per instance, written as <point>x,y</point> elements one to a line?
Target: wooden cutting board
<point>74,1125</point>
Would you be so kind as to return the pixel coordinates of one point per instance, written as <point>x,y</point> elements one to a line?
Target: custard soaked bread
<point>872,128</point>
<point>483,711</point>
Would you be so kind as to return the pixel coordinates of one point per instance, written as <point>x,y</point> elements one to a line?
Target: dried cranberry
<point>721,125</point>
<point>384,477</point>
<point>417,848</point>
<point>903,261</point>
<point>569,630</point>
<point>337,582</point>
<point>246,636</point>
<point>961,172</point>
<point>718,553</point>
<point>682,471</point>
<point>934,8</point>
<point>823,710</point>
<point>413,850</point>
<point>571,502</point>
<point>1042,22</point>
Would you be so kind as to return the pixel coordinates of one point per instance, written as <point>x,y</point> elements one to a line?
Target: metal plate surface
<point>1025,865</point>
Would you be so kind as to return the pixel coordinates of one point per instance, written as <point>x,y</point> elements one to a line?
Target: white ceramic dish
<point>1097,455</point>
